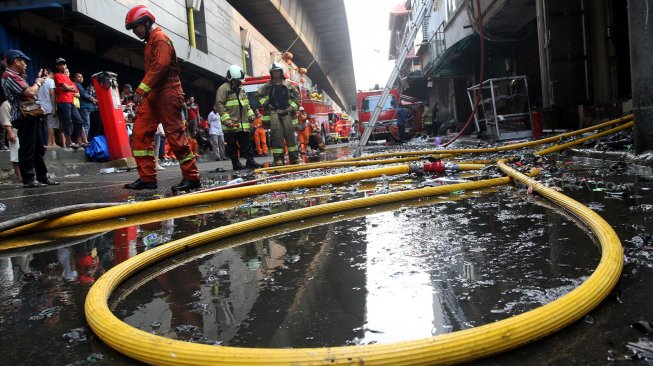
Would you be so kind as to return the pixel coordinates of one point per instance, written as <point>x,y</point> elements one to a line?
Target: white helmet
<point>276,66</point>
<point>235,72</point>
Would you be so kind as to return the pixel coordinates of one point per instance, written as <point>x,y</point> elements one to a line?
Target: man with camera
<point>26,118</point>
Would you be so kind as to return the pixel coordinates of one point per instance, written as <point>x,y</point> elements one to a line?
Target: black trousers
<point>242,139</point>
<point>31,151</point>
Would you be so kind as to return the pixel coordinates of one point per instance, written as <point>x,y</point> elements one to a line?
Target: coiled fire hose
<point>454,347</point>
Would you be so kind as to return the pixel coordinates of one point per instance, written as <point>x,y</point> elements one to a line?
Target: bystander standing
<point>33,171</point>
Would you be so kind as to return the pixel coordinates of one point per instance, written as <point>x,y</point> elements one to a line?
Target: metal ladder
<point>406,47</point>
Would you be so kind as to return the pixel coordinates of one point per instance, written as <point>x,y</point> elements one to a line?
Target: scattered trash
<point>615,194</point>
<point>71,175</point>
<point>235,181</point>
<point>107,170</point>
<point>46,313</point>
<point>151,240</point>
<point>3,207</point>
<point>75,335</point>
<point>186,328</point>
<point>643,326</point>
<point>642,348</point>
<point>95,358</point>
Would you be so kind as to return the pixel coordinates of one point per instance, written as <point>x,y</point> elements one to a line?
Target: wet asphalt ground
<point>401,272</point>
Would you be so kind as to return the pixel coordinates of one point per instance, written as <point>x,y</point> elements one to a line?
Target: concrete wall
<point>223,26</point>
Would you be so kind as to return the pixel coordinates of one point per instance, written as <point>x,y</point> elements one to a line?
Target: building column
<point>640,22</point>
<point>543,44</point>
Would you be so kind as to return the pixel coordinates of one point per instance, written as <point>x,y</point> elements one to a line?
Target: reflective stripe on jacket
<point>264,93</point>
<point>232,105</point>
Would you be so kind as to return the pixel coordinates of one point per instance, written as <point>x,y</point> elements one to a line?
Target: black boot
<point>187,185</point>
<point>237,165</point>
<point>279,161</point>
<point>138,184</point>
<point>252,164</point>
<point>294,158</point>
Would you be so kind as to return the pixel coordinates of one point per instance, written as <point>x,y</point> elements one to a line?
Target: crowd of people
<point>53,112</point>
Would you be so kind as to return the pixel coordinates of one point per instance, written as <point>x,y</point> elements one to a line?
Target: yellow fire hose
<point>164,351</point>
<point>346,162</point>
<point>208,197</point>
<point>556,148</point>
<point>334,164</point>
<point>47,237</point>
<point>445,153</point>
<point>454,347</point>
<point>203,198</point>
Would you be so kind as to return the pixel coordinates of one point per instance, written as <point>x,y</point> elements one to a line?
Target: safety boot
<point>278,161</point>
<point>294,158</point>
<point>187,185</point>
<point>252,164</point>
<point>237,165</point>
<point>138,184</point>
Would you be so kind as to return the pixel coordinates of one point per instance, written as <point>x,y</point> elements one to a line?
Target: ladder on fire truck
<point>405,49</point>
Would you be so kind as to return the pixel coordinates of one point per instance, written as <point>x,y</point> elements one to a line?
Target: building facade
<point>91,35</point>
<point>574,55</point>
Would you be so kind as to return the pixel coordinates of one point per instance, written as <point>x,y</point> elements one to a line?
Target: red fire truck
<point>317,110</point>
<point>387,122</point>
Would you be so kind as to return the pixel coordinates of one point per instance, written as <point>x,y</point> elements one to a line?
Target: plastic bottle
<point>235,181</point>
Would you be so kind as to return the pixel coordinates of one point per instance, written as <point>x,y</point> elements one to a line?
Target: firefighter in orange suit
<point>161,98</point>
<point>303,130</point>
<point>260,140</point>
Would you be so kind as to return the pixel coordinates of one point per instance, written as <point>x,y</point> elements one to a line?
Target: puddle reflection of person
<point>65,257</point>
<point>86,261</point>
<point>181,285</point>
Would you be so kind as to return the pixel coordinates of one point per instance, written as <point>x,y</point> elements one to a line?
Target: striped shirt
<point>14,85</point>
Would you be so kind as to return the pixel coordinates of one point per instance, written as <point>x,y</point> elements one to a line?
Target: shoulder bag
<point>30,109</point>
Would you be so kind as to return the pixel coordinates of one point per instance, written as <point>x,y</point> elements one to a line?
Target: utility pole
<point>427,5</point>
<point>641,54</point>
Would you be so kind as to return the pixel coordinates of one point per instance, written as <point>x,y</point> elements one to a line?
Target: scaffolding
<point>504,110</point>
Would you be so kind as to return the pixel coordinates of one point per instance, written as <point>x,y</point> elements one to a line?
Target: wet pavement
<point>389,273</point>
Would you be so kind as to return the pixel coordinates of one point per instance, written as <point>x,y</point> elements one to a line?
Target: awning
<point>444,65</point>
<point>17,6</point>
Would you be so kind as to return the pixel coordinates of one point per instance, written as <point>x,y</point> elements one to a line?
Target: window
<point>452,5</point>
<point>369,103</point>
<point>199,22</point>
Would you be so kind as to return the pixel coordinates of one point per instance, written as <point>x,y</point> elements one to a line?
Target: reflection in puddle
<point>407,273</point>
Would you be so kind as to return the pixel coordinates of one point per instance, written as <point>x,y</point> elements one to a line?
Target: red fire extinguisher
<point>113,120</point>
<point>537,124</point>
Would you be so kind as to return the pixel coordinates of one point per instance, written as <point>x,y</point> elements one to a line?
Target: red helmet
<point>138,15</point>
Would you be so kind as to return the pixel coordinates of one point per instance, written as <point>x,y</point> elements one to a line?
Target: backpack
<point>98,150</point>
